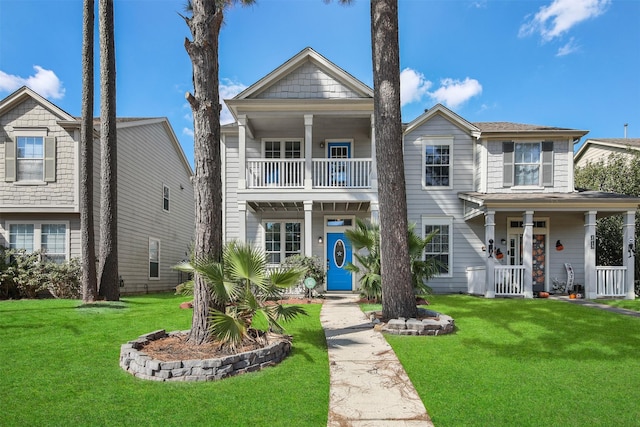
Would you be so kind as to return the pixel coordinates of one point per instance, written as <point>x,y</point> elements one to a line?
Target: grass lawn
<point>629,304</point>
<point>534,362</point>
<point>59,367</point>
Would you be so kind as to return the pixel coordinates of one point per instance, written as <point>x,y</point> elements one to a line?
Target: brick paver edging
<point>139,364</point>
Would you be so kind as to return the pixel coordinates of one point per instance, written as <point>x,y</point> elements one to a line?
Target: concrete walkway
<point>600,306</point>
<point>369,387</point>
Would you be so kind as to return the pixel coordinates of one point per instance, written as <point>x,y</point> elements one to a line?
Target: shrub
<point>312,265</point>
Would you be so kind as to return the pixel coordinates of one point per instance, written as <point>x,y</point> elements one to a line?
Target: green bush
<point>311,264</point>
<point>25,275</point>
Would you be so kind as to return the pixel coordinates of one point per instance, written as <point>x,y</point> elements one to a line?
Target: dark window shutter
<point>49,159</point>
<point>507,161</point>
<point>547,163</point>
<point>9,160</point>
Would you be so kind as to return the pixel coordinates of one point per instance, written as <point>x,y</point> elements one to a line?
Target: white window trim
<point>539,186</point>
<point>149,259</point>
<point>282,237</point>
<point>348,141</point>
<point>282,142</point>
<point>431,141</point>
<point>37,234</point>
<point>441,220</point>
<point>168,198</point>
<point>30,132</point>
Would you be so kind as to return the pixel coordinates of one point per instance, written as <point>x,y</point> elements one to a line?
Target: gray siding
<point>596,154</point>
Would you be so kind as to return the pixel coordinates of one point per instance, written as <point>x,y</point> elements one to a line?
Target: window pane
<point>154,258</point>
<point>438,247</point>
<point>165,196</point>
<point>527,164</point>
<point>437,166</point>
<point>21,237</point>
<point>54,242</point>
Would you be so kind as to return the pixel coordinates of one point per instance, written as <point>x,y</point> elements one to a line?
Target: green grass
<point>526,363</point>
<point>623,303</point>
<point>59,367</point>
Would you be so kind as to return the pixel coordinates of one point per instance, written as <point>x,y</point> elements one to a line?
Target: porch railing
<point>509,280</point>
<point>341,173</point>
<point>611,281</point>
<point>281,173</point>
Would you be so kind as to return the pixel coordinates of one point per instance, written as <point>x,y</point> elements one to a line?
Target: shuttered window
<point>527,164</point>
<point>30,159</point>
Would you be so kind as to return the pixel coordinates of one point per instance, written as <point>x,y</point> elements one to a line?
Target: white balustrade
<point>610,281</point>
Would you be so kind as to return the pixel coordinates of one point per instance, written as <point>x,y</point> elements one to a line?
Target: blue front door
<point>338,255</point>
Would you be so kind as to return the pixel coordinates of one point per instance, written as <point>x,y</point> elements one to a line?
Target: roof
<point>441,110</point>
<point>615,143</point>
<point>513,127</point>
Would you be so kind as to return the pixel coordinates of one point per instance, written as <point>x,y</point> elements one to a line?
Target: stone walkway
<point>600,306</point>
<point>369,386</point>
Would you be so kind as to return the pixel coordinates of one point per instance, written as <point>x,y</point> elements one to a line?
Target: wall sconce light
<point>321,144</point>
<point>320,239</point>
<point>559,246</point>
<point>490,248</point>
<point>503,241</point>
<point>181,187</point>
<point>499,254</point>
<point>632,249</point>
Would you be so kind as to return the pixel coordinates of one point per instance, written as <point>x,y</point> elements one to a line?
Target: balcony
<point>325,173</point>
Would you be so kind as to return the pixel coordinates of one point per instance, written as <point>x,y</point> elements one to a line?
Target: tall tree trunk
<point>205,25</point>
<point>87,233</point>
<point>398,299</point>
<point>109,283</point>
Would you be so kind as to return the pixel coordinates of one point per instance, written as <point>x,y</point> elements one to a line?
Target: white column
<point>374,162</point>
<point>629,256</point>
<point>242,147</point>
<point>375,212</point>
<point>489,239</point>
<point>308,228</point>
<point>308,148</point>
<point>590,279</point>
<point>527,253</point>
<point>242,221</point>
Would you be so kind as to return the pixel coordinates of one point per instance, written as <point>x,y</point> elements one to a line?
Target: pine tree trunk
<point>203,50</point>
<point>109,277</point>
<point>398,299</point>
<point>87,233</point>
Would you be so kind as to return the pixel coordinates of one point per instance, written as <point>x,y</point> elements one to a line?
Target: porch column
<point>308,148</point>
<point>527,253</point>
<point>590,278</point>
<point>375,212</point>
<point>242,220</point>
<point>308,228</point>
<point>242,145</point>
<point>489,239</point>
<point>629,256</point>
<point>374,162</point>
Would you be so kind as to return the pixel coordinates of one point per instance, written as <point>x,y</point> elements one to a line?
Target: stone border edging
<point>432,323</point>
<point>139,364</point>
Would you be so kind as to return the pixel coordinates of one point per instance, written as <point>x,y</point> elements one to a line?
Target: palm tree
<point>397,290</point>
<point>87,241</point>
<point>366,236</point>
<point>244,289</point>
<point>204,22</point>
<point>108,269</point>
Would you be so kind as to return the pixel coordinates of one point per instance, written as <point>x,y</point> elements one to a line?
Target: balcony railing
<point>611,281</point>
<point>509,280</point>
<point>326,173</point>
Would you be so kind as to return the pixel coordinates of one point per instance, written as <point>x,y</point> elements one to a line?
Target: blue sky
<point>567,63</point>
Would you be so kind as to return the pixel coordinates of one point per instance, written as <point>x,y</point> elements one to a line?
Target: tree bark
<point>205,25</point>
<point>398,299</point>
<point>108,270</point>
<point>87,232</point>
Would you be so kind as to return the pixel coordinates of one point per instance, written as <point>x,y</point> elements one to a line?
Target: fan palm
<point>246,288</point>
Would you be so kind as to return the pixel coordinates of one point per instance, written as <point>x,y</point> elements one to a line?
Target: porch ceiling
<point>273,206</point>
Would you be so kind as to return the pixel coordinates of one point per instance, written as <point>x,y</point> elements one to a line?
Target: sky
<point>565,63</point>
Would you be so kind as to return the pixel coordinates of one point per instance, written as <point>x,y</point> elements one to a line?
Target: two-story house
<point>40,181</point>
<point>300,167</point>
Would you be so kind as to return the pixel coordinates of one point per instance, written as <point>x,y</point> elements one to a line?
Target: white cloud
<point>454,93</point>
<point>44,82</point>
<point>570,47</point>
<point>187,132</point>
<point>413,86</point>
<point>228,89</point>
<point>560,16</point>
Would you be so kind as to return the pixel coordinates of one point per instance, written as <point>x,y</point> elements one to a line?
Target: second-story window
<point>30,158</point>
<point>527,163</point>
<point>165,198</point>
<point>437,162</point>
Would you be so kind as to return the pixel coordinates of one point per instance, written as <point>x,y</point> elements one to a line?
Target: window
<point>528,163</point>
<point>288,171</point>
<point>30,157</point>
<point>282,240</point>
<point>439,248</point>
<point>165,198</point>
<point>50,238</point>
<point>154,258</point>
<point>437,160</point>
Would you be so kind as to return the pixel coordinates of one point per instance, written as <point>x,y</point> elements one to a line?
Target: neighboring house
<point>39,190</point>
<point>300,167</point>
<point>596,150</point>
